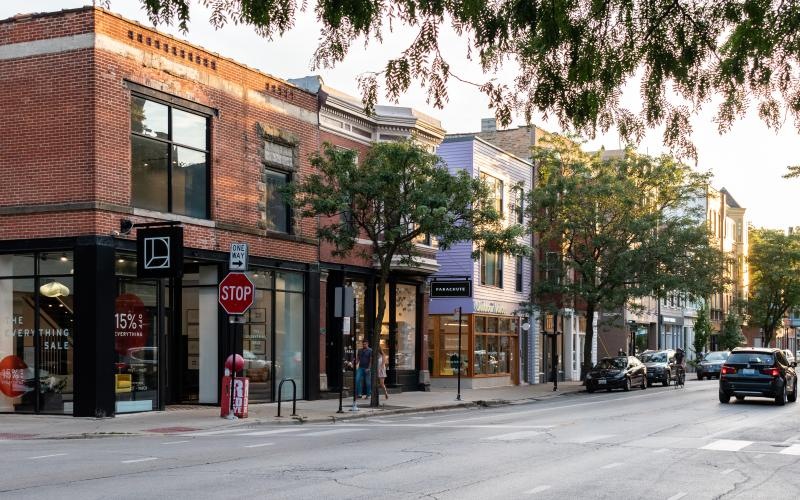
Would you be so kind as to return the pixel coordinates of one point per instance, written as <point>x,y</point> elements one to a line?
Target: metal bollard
<point>294,396</point>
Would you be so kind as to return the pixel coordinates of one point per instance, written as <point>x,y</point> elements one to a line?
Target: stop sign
<point>236,293</point>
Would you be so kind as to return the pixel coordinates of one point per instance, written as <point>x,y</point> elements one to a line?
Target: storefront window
<point>136,346</point>
<point>405,350</point>
<point>36,323</point>
<point>448,346</point>
<point>494,345</point>
<point>289,331</point>
<point>257,340</point>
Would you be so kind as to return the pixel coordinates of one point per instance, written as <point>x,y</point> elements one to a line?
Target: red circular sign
<point>236,293</point>
<point>131,325</point>
<point>12,376</point>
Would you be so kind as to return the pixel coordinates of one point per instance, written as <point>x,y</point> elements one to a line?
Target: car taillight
<point>728,370</point>
<point>772,372</point>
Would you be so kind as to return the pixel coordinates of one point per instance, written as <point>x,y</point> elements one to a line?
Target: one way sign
<point>238,260</point>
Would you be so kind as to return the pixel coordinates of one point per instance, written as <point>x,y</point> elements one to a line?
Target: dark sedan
<point>711,364</point>
<point>621,372</point>
<point>760,372</point>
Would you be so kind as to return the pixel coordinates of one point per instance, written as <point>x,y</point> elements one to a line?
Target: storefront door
<point>137,328</point>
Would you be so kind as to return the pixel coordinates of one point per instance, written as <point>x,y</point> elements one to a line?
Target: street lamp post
<point>553,336</point>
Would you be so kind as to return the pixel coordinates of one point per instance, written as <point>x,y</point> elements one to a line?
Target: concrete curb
<point>300,419</point>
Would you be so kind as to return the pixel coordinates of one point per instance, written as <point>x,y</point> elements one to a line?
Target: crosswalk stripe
<point>727,445</point>
<point>791,450</point>
<point>611,465</point>
<point>538,489</point>
<point>513,436</point>
<point>139,460</point>
<point>678,495</point>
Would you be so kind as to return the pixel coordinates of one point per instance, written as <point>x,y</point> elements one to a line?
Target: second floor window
<point>495,186</point>
<point>169,158</point>
<point>518,274</point>
<point>276,207</point>
<point>491,269</point>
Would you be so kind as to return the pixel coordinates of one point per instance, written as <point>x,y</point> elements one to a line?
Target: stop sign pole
<point>236,294</point>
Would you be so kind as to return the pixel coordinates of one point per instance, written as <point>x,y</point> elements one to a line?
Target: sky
<point>748,160</point>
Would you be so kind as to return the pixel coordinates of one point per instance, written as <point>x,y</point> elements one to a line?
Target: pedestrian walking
<point>363,365</point>
<point>382,372</point>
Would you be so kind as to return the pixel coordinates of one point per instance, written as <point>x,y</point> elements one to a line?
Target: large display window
<point>488,345</point>
<point>37,333</point>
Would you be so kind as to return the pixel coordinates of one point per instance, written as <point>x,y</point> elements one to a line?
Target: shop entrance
<point>137,339</point>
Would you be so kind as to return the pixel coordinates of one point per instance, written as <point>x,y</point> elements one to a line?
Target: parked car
<point>619,372</point>
<point>711,364</point>
<point>660,366</point>
<point>758,371</point>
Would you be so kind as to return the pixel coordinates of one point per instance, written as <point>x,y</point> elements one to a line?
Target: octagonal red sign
<point>236,293</point>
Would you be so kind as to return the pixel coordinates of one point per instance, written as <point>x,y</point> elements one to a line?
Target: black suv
<point>758,371</point>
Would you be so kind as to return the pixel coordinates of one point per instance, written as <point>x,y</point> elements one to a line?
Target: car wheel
<point>724,397</point>
<point>699,377</point>
<point>793,397</point>
<point>644,383</point>
<point>739,398</point>
<point>608,389</point>
<point>589,389</point>
<point>649,383</point>
<point>780,398</point>
<point>627,385</point>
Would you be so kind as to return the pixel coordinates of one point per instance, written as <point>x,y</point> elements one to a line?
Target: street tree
<point>731,335</point>
<point>392,198</point>
<point>572,59</point>
<point>702,329</point>
<point>623,228</point>
<point>774,262</point>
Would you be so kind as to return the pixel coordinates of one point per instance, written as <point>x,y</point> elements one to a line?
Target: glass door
<point>136,345</point>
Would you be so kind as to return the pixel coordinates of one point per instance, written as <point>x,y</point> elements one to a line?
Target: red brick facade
<point>65,140</point>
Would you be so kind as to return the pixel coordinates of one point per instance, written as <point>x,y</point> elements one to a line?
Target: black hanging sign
<point>159,252</point>
<point>447,289</point>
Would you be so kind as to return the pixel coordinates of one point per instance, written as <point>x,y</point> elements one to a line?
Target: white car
<point>789,356</point>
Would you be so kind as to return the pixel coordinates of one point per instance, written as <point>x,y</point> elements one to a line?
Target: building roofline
<point>464,137</point>
<point>106,12</point>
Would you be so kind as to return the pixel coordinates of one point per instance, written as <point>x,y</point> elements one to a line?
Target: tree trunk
<point>375,342</point>
<point>769,335</point>
<point>586,366</point>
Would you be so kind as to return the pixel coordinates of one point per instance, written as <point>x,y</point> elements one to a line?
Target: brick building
<point>108,123</point>
<point>404,338</point>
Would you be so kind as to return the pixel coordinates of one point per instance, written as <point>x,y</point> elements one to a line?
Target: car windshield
<point>753,358</point>
<point>716,356</point>
<point>655,357</point>
<point>612,364</point>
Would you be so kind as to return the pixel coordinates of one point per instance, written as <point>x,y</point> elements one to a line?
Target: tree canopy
<point>702,329</point>
<point>774,262</point>
<point>626,227</point>
<point>396,195</point>
<point>573,58</point>
<point>730,335</point>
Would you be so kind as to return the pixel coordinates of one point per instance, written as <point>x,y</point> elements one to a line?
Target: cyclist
<point>680,362</point>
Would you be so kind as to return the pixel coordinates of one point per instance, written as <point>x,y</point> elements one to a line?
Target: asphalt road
<point>660,443</point>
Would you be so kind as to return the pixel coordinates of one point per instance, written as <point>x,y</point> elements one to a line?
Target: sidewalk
<point>180,419</point>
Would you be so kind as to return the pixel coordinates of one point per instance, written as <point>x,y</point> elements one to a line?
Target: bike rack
<point>294,396</point>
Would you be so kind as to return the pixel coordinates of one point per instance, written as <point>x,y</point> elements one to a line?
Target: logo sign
<point>236,293</point>
<point>12,377</point>
<point>159,252</point>
<point>448,289</point>
<point>131,325</point>
<point>238,259</point>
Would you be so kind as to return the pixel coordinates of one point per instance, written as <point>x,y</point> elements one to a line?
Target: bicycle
<point>680,377</point>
